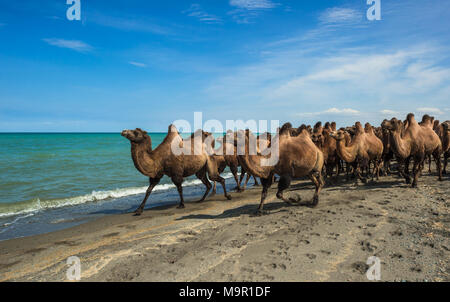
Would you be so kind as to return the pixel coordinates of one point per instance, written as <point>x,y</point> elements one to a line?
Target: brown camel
<point>297,157</point>
<point>162,161</point>
<point>322,139</point>
<point>443,131</point>
<point>228,157</point>
<point>414,142</point>
<point>364,147</point>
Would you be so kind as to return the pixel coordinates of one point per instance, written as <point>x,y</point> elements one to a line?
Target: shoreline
<point>222,240</point>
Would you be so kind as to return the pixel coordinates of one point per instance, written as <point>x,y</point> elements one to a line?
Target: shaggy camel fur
<point>364,147</point>
<point>414,142</point>
<point>297,157</point>
<point>162,161</point>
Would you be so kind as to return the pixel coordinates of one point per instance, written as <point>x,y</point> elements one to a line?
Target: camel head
<point>446,126</point>
<point>338,135</point>
<point>392,125</point>
<point>136,136</point>
<point>317,135</point>
<point>436,124</point>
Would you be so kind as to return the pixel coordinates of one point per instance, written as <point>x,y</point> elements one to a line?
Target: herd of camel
<point>318,151</point>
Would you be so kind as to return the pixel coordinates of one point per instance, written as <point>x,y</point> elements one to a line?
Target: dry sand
<point>219,240</point>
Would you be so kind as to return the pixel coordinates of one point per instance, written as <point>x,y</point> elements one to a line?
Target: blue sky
<point>145,64</point>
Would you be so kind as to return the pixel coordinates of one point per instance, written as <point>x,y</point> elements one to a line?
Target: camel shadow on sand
<point>249,210</point>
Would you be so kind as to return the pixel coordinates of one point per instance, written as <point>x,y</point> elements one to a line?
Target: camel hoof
<point>228,197</point>
<point>181,206</point>
<point>239,190</point>
<point>138,213</point>
<point>314,202</point>
<point>295,200</point>
<point>261,213</point>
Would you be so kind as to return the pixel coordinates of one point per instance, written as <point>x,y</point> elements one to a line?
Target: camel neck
<point>144,158</point>
<point>401,146</point>
<point>347,153</point>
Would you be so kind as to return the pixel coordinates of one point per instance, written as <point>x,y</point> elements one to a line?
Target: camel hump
<point>173,129</point>
<point>285,128</point>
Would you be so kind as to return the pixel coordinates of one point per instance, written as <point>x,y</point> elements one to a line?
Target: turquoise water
<point>59,179</point>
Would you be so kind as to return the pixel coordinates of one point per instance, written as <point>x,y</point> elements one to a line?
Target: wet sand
<point>218,240</point>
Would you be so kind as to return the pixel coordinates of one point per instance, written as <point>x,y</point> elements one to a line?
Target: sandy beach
<point>219,240</point>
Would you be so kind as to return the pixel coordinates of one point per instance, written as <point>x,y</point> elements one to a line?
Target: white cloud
<point>196,11</point>
<point>387,111</point>
<point>137,64</point>
<point>246,10</point>
<point>332,112</point>
<point>76,45</point>
<point>339,15</point>
<point>131,23</point>
<point>253,4</point>
<point>430,110</point>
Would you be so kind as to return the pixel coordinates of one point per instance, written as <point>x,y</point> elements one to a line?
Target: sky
<point>129,64</point>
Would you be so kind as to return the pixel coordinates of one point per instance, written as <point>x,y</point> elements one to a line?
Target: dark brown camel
<point>162,161</point>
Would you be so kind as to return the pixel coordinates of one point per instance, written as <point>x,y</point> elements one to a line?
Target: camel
<point>322,139</point>
<point>162,161</point>
<point>413,141</point>
<point>364,147</point>
<point>443,131</point>
<point>228,157</point>
<point>297,157</point>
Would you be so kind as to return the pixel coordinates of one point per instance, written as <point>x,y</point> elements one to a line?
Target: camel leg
<point>214,190</point>
<point>418,163</point>
<point>256,181</point>
<point>437,158</point>
<point>241,178</point>
<point>358,173</point>
<point>178,183</point>
<point>266,183</point>
<point>214,176</point>
<point>338,170</point>
<point>405,172</point>
<point>247,179</point>
<point>283,184</point>
<point>318,182</point>
<point>429,164</point>
<point>202,176</point>
<point>446,156</point>
<point>153,183</point>
<point>235,175</point>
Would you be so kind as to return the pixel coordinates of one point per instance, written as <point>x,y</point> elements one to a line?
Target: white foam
<point>38,205</point>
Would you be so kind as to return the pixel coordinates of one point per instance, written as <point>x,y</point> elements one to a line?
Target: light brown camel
<point>414,142</point>
<point>297,157</point>
<point>162,161</point>
<point>363,148</point>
